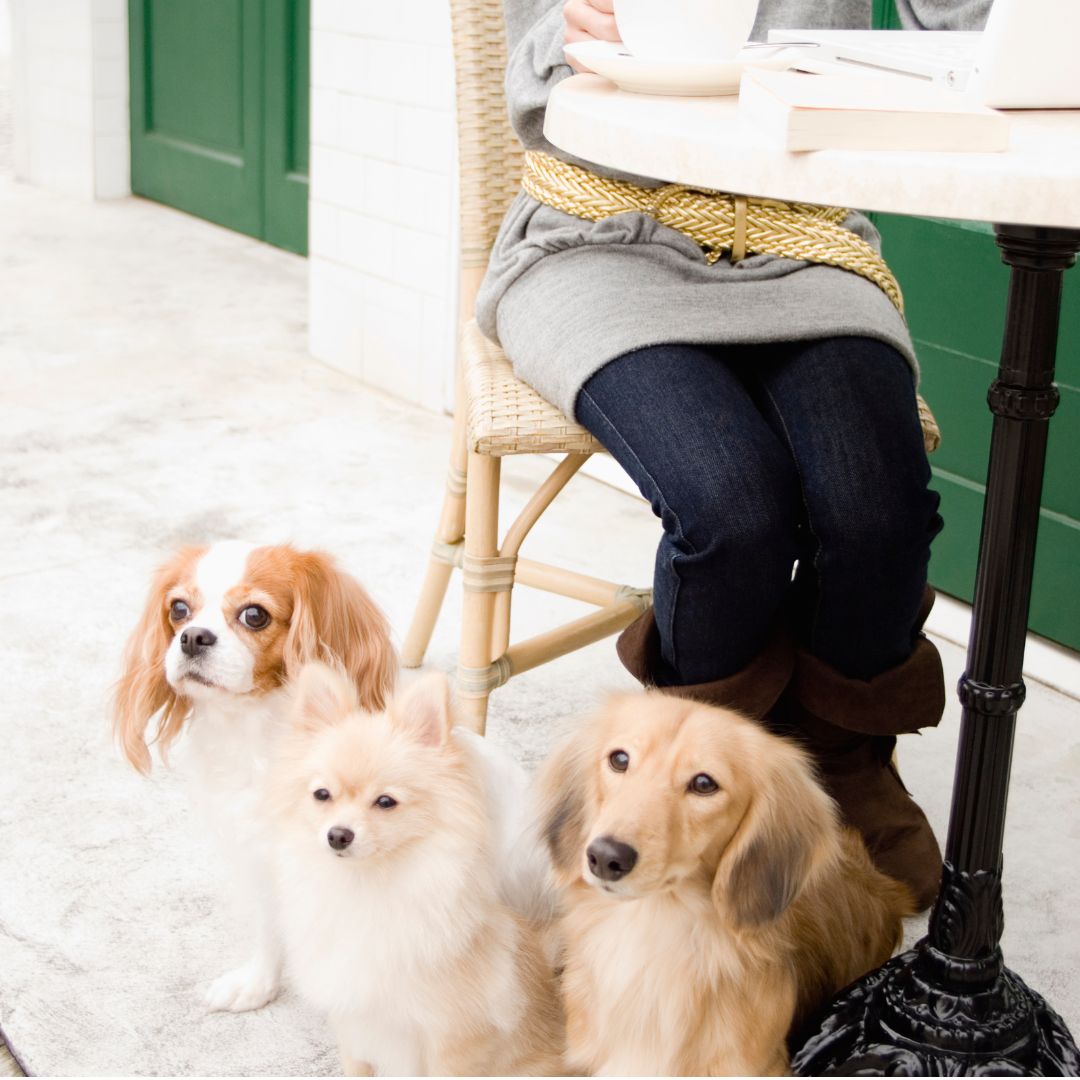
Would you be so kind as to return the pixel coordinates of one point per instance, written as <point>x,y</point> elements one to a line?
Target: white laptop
<point>1028,57</point>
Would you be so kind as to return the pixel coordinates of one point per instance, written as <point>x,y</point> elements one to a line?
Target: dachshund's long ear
<point>142,690</point>
<point>564,784</point>
<point>789,829</point>
<point>334,620</point>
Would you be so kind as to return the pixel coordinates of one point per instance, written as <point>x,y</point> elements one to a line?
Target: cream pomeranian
<point>412,892</point>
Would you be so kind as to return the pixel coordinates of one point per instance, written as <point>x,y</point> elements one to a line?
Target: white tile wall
<point>382,238</point>
<point>5,28</point>
<point>112,139</point>
<point>70,95</point>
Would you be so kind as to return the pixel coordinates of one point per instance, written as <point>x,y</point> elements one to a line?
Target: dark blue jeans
<point>760,460</point>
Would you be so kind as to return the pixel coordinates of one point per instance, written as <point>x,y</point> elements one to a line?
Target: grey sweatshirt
<point>563,296</point>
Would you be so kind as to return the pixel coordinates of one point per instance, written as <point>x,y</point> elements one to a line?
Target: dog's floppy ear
<point>424,710</point>
<point>142,690</point>
<point>334,620</point>
<point>789,827</point>
<point>563,784</point>
<point>322,696</point>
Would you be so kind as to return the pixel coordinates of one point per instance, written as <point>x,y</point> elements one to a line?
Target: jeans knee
<point>890,534</point>
<point>743,534</point>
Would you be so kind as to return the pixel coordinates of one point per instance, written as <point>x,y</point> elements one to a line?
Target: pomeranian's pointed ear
<point>322,696</point>
<point>424,709</point>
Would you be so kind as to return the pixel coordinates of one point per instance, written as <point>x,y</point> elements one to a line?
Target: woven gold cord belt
<point>716,220</point>
<point>721,222</point>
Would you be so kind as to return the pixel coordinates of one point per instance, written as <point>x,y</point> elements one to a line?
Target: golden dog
<point>711,899</point>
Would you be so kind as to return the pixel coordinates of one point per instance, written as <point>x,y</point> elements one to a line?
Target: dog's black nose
<point>196,639</point>
<point>339,838</point>
<point>610,859</point>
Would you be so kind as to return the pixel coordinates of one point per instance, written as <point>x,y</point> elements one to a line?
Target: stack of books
<point>798,111</point>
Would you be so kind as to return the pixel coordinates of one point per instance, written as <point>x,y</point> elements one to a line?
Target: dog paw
<point>243,989</point>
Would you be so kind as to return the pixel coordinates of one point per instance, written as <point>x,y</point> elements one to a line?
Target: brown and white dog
<point>711,899</point>
<point>224,629</point>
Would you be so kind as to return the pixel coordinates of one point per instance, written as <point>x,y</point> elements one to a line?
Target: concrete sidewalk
<point>157,391</point>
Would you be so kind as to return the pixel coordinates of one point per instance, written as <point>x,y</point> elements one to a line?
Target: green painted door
<point>955,287</point>
<point>219,112</point>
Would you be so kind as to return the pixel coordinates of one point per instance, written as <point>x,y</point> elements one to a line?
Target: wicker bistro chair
<point>497,415</point>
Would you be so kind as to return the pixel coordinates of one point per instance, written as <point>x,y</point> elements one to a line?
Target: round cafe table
<point>949,1006</point>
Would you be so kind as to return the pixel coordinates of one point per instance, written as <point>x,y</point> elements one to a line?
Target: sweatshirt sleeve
<point>535,64</point>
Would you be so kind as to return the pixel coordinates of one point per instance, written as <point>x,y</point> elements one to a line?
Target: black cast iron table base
<point>926,1013</point>
<point>950,1007</point>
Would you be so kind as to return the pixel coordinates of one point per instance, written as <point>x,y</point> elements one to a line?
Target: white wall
<point>70,95</point>
<point>382,214</point>
<point>112,119</point>
<point>5,28</point>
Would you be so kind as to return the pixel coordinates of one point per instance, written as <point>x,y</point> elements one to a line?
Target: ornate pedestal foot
<point>925,1013</point>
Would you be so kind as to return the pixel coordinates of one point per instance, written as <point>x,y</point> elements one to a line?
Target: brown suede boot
<point>752,691</point>
<point>850,728</point>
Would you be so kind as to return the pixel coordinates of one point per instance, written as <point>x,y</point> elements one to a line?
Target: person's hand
<point>589,20</point>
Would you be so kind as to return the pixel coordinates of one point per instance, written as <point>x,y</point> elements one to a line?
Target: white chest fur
<point>382,953</point>
<point>226,754</point>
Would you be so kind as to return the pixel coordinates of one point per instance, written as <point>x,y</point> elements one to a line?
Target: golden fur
<point>746,909</point>
<point>405,939</point>
<point>318,613</point>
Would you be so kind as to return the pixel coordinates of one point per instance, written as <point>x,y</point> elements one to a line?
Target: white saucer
<point>683,78</point>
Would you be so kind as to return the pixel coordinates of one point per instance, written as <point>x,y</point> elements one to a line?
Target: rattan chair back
<point>489,154</point>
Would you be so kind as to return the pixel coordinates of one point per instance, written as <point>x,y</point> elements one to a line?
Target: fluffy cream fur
<point>404,936</point>
<point>747,907</point>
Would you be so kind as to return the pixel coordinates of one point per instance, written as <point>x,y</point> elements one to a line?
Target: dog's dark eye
<point>254,617</point>
<point>321,794</point>
<point>178,611</point>
<point>385,802</point>
<point>619,760</point>
<point>703,784</point>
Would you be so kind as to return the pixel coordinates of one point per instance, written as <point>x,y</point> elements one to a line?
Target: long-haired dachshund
<point>711,899</point>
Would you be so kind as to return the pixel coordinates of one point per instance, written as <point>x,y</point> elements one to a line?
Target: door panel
<point>199,42</point>
<point>196,121</point>
<point>219,108</point>
<point>288,76</point>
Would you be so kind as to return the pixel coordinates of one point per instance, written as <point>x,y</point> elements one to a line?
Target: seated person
<point>766,409</point>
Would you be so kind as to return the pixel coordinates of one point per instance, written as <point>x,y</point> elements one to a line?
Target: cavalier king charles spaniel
<point>224,630</point>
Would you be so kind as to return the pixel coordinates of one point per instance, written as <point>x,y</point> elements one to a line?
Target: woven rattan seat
<point>506,416</point>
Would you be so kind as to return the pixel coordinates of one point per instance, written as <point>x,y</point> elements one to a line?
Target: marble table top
<point>701,141</point>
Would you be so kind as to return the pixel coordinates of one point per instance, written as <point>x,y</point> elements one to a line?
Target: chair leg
<point>500,623</point>
<point>450,531</point>
<point>440,567</point>
<point>541,499</point>
<point>481,551</point>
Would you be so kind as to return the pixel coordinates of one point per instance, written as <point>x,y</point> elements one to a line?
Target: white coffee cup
<point>685,29</point>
